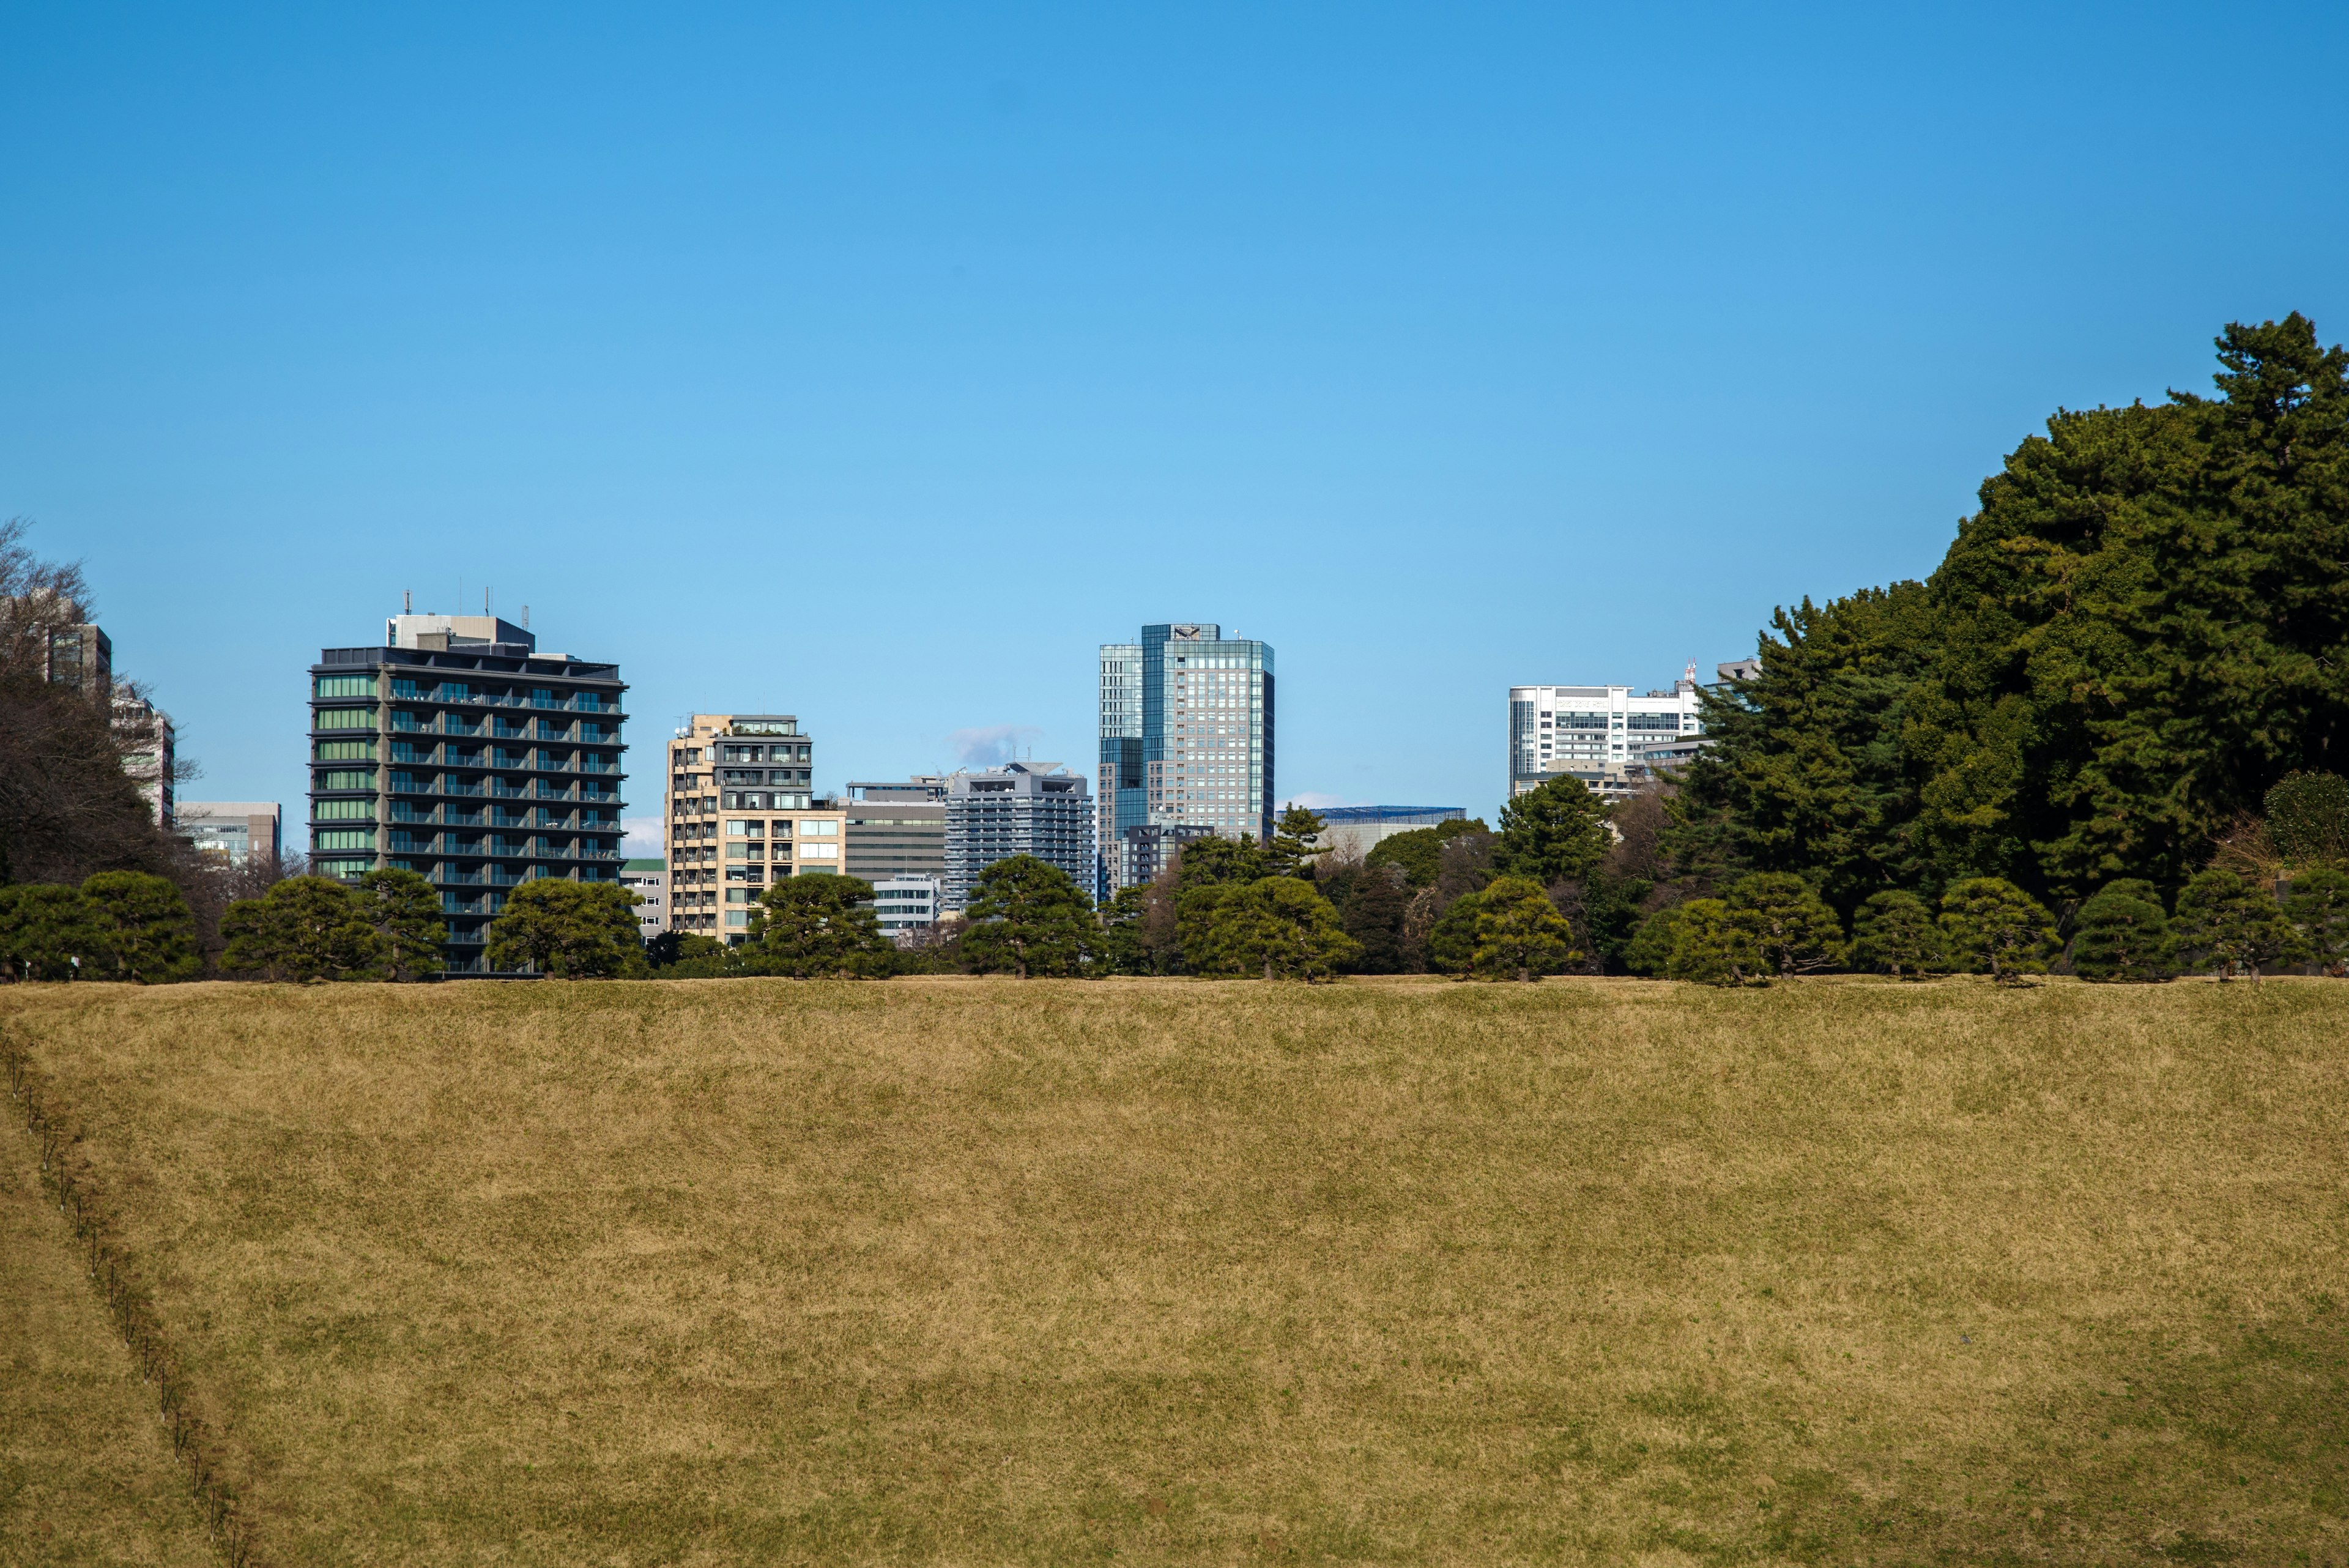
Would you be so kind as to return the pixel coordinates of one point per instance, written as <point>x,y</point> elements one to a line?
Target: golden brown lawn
<point>971,1271</point>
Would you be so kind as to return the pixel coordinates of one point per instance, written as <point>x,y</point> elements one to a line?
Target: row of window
<point>329,686</point>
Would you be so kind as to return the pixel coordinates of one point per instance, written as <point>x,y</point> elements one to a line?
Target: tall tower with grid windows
<point>1187,745</point>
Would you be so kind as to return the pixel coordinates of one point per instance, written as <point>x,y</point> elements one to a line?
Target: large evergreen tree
<point>148,930</point>
<point>2139,631</point>
<point>813,927</point>
<point>404,912</point>
<point>1027,916</point>
<point>568,930</point>
<point>304,927</point>
<point>1555,832</point>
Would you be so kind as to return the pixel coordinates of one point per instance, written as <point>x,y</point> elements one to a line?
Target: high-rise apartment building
<point>456,750</point>
<point>1019,809</point>
<point>1598,734</point>
<point>742,815</point>
<point>897,827</point>
<point>238,831</point>
<point>1186,738</point>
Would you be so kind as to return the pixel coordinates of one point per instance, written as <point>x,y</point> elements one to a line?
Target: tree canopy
<point>2140,631</point>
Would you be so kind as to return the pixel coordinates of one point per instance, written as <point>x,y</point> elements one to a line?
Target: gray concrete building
<point>897,827</point>
<point>1020,808</point>
<point>648,880</point>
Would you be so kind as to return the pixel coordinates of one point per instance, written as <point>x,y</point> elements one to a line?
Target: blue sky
<point>877,363</point>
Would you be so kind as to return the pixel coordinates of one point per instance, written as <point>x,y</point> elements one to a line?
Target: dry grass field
<point>968,1272</point>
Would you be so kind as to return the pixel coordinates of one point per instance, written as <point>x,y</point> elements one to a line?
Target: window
<point>739,829</point>
<point>346,751</point>
<point>355,780</point>
<point>818,851</point>
<point>820,829</point>
<point>346,686</point>
<point>345,810</point>
<point>346,838</point>
<point>346,719</point>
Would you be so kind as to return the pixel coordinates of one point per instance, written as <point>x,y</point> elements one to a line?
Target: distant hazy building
<point>897,827</point>
<point>1186,735</point>
<point>648,880</point>
<point>905,905</point>
<point>1020,808</point>
<point>1595,733</point>
<point>144,735</point>
<point>237,831</point>
<point>1350,830</point>
<point>454,749</point>
<point>742,816</point>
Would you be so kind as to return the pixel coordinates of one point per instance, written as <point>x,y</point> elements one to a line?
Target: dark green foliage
<point>2121,934</point>
<point>1119,948</point>
<point>687,955</point>
<point>304,929</point>
<point>1991,926</point>
<point>1714,944</point>
<point>1894,934</point>
<point>2139,632</point>
<point>1374,916</point>
<point>810,927</point>
<point>1795,929</point>
<point>1519,934</point>
<point>48,932</point>
<point>1210,862</point>
<point>404,912</point>
<point>1649,950</point>
<point>1418,853</point>
<point>1279,927</point>
<point>2308,819</point>
<point>1452,941</point>
<point>1556,832</point>
<point>1610,915</point>
<point>2231,927</point>
<point>1025,916</point>
<point>569,931</point>
<point>145,927</point>
<point>1292,851</point>
<point>2318,908</point>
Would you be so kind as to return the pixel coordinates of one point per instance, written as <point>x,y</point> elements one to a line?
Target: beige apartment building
<point>742,814</point>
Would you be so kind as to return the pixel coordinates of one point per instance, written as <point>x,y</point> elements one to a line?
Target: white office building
<point>1602,735</point>
<point>904,905</point>
<point>648,880</point>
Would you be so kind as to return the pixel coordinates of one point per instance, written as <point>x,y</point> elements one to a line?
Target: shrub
<point>1990,924</point>
<point>2121,934</point>
<point>2318,908</point>
<point>1795,927</point>
<point>2308,819</point>
<point>145,925</point>
<point>2233,927</point>
<point>1649,950</point>
<point>1894,934</point>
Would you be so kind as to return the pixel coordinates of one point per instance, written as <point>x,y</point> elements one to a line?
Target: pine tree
<point>302,928</point>
<point>2228,926</point>
<point>1279,926</point>
<point>1519,932</point>
<point>2121,934</point>
<point>1795,927</point>
<point>813,927</point>
<point>568,930</point>
<point>404,912</point>
<point>48,932</point>
<point>1649,950</point>
<point>1292,851</point>
<point>145,925</point>
<point>1373,916</point>
<point>1894,933</point>
<point>1556,832</point>
<point>1027,916</point>
<point>1988,923</point>
<point>1716,945</point>
<point>2318,908</point>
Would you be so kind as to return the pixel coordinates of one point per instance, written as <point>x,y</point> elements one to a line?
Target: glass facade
<point>1187,737</point>
<point>482,766</point>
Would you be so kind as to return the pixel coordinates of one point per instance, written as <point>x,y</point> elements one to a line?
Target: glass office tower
<point>1186,742</point>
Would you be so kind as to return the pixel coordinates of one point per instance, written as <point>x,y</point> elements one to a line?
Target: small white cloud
<point>640,837</point>
<point>991,745</point>
<point>1316,800</point>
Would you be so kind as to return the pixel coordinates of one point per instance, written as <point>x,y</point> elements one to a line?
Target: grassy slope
<point>85,1475</point>
<point>963,1271</point>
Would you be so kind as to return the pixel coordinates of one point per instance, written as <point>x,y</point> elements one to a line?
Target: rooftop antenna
<point>526,621</point>
<point>485,601</point>
<point>407,601</point>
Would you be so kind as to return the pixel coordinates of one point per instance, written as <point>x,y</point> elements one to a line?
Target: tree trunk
<point>1525,976</point>
<point>1268,969</point>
